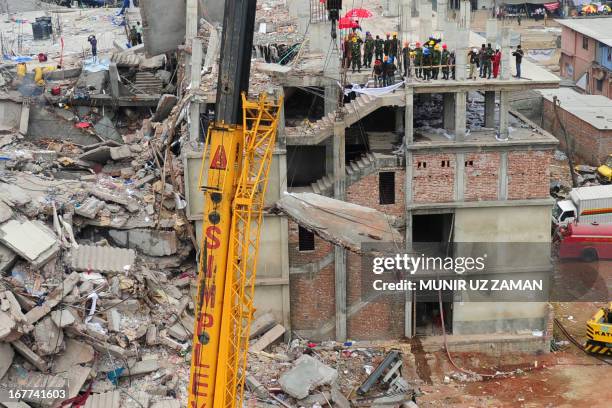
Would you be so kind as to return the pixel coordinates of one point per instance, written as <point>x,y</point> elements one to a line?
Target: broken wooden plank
<point>268,338</point>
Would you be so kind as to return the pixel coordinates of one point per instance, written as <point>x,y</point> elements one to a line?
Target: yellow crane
<point>599,332</point>
<point>233,178</point>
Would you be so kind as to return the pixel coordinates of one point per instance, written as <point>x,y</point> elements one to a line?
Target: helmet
<point>444,46</point>
<point>367,33</point>
<point>437,47</point>
<point>354,39</point>
<point>388,34</point>
<point>395,34</point>
<point>418,44</point>
<point>385,58</point>
<point>406,44</point>
<point>431,42</point>
<point>475,49</point>
<point>497,47</point>
<point>426,51</point>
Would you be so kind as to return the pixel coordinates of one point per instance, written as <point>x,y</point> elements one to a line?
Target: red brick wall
<point>312,295</point>
<point>529,174</point>
<point>365,192</point>
<point>433,183</point>
<point>590,145</point>
<point>482,176</point>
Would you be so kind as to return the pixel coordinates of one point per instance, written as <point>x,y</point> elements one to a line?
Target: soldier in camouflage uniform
<point>356,54</point>
<point>394,46</point>
<point>445,61</point>
<point>435,61</point>
<point>368,50</point>
<point>418,60</point>
<point>379,46</point>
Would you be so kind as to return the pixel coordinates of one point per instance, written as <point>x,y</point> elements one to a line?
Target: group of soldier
<point>424,61</point>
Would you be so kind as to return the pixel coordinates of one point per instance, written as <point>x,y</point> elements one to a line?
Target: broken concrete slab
<point>179,332</point>
<point>7,258</point>
<point>107,130</point>
<point>151,335</point>
<point>141,367</point>
<point>268,338</point>
<point>169,403</point>
<point>102,259</point>
<point>256,387</point>
<point>262,324</point>
<point>149,242</point>
<point>110,399</point>
<point>30,355</point>
<point>8,327</point>
<point>75,353</point>
<point>75,378</point>
<point>5,212</point>
<point>32,240</point>
<point>53,299</point>
<point>62,318</point>
<point>89,208</point>
<point>121,153</point>
<point>337,221</point>
<point>308,373</point>
<point>106,195</point>
<point>338,398</point>
<point>6,358</point>
<point>113,319</point>
<point>98,155</point>
<point>49,338</point>
<point>164,107</point>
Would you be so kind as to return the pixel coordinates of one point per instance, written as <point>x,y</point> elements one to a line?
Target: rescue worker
<point>473,60</point>
<point>133,36</point>
<point>518,55</point>
<point>379,46</point>
<point>384,70</point>
<point>377,73</point>
<point>94,46</point>
<point>481,57</point>
<point>444,61</point>
<point>418,60</point>
<point>394,47</point>
<point>368,50</point>
<point>346,51</point>
<point>435,61</point>
<point>406,59</point>
<point>488,61</point>
<point>426,63</point>
<point>387,46</point>
<point>452,61</point>
<point>390,71</point>
<point>356,54</point>
<point>496,61</point>
<point>139,30</point>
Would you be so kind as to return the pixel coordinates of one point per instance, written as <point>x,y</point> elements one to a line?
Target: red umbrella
<point>358,13</point>
<point>346,22</point>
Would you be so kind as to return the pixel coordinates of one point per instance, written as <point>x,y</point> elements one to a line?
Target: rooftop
<point>599,28</point>
<point>594,109</point>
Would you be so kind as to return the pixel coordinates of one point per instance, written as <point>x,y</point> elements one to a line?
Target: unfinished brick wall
<point>365,192</point>
<point>381,318</point>
<point>482,176</point>
<point>589,144</point>
<point>529,174</point>
<point>312,294</point>
<point>434,178</point>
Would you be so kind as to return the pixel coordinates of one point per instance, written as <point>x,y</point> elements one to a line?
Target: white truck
<point>585,205</point>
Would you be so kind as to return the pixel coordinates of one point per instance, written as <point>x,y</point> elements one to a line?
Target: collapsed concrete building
<point>446,160</point>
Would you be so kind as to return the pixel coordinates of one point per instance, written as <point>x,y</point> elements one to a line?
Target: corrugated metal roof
<point>596,110</point>
<point>101,258</point>
<point>110,399</point>
<point>597,28</point>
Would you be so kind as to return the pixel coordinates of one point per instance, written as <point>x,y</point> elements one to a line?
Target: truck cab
<point>564,213</point>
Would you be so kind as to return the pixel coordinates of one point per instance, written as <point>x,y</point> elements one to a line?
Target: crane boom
<point>233,177</point>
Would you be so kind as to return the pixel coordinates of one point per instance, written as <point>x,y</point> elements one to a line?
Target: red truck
<point>588,242</point>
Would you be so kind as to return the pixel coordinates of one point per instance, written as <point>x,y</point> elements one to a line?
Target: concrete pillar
<point>399,120</point>
<point>460,115</point>
<point>24,118</point>
<point>409,116</point>
<point>391,8</point>
<point>441,10</point>
<point>300,10</point>
<point>461,54</point>
<point>406,20</point>
<point>460,177</point>
<point>331,93</point>
<point>425,24</point>
<point>465,14</point>
<point>489,109</point>
<point>503,177</point>
<point>339,252</point>
<point>448,112</point>
<point>506,68</point>
<point>196,79</point>
<point>492,36</point>
<point>504,114</point>
<point>450,35</point>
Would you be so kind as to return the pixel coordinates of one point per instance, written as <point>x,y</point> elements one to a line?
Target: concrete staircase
<point>356,170</point>
<point>357,109</point>
<point>145,83</point>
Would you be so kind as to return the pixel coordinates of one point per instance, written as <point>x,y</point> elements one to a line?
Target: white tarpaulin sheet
<point>373,91</point>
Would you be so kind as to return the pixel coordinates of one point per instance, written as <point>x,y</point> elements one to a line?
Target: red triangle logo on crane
<point>219,161</point>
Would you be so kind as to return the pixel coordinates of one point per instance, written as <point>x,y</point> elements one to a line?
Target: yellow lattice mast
<point>233,215</point>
